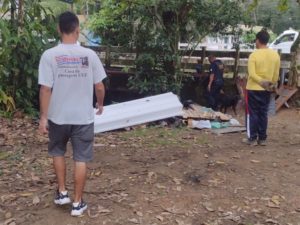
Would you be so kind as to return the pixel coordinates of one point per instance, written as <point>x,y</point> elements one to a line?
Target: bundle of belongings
<point>205,118</point>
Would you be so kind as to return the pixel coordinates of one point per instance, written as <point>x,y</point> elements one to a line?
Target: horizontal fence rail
<point>235,60</point>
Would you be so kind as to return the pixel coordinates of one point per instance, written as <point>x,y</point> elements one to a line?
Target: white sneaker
<point>78,209</point>
<point>62,198</point>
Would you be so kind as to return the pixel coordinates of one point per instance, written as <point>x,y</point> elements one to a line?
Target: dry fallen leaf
<point>159,186</point>
<point>257,211</point>
<point>255,161</point>
<point>231,216</point>
<point>297,210</point>
<point>170,164</point>
<point>177,181</point>
<point>275,200</point>
<point>28,194</point>
<point>272,205</point>
<point>160,218</point>
<point>36,200</point>
<point>178,188</point>
<point>271,221</point>
<point>101,209</point>
<point>152,177</point>
<point>134,220</point>
<point>98,173</point>
<point>91,215</point>
<point>9,221</point>
<point>220,162</point>
<point>140,214</point>
<point>8,215</point>
<point>208,206</point>
<point>181,222</point>
<point>7,197</point>
<point>34,177</point>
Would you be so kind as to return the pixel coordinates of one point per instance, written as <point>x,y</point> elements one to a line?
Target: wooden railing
<point>235,60</point>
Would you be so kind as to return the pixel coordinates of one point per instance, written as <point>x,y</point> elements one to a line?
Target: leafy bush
<point>7,103</point>
<point>22,43</point>
<point>155,27</point>
<point>150,78</point>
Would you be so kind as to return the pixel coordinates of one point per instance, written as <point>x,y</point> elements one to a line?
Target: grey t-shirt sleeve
<point>46,76</point>
<point>98,70</point>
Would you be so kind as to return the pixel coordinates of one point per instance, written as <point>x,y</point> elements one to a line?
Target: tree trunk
<point>12,12</point>
<point>20,15</point>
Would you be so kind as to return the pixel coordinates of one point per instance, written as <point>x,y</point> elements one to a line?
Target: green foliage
<point>278,21</point>
<point>249,37</point>
<point>83,7</point>
<point>22,43</point>
<point>276,15</point>
<point>113,22</point>
<point>155,27</point>
<point>150,78</point>
<point>86,7</point>
<point>55,6</point>
<point>282,5</point>
<point>7,103</point>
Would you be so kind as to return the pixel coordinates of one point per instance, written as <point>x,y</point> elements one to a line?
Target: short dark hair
<point>263,37</point>
<point>211,57</point>
<point>68,22</point>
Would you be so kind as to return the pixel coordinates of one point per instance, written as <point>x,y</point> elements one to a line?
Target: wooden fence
<point>235,60</point>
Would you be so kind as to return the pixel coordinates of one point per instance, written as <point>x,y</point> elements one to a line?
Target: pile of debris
<point>205,118</point>
<point>194,111</point>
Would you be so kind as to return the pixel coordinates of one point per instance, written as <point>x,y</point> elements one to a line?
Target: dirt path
<point>159,176</point>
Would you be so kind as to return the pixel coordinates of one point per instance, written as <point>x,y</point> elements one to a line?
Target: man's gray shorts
<point>82,139</point>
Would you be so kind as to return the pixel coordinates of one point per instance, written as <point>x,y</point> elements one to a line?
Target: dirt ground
<point>158,175</point>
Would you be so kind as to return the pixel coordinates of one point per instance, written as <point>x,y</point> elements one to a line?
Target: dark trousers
<point>257,103</point>
<point>213,96</point>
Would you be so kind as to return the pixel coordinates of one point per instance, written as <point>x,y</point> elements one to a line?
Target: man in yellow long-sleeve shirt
<point>263,73</point>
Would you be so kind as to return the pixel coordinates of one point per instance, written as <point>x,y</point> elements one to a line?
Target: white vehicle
<point>285,41</point>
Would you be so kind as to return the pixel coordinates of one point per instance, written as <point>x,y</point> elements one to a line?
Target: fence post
<point>293,79</point>
<point>236,62</point>
<point>281,71</point>
<point>107,57</point>
<point>203,55</point>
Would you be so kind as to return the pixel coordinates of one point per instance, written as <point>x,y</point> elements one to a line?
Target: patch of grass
<point>154,137</point>
<point>202,140</point>
<point>37,167</point>
<point>5,114</point>
<point>139,132</point>
<point>4,155</point>
<point>17,156</point>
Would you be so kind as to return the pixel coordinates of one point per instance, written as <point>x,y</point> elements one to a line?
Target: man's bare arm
<point>100,93</point>
<point>45,95</point>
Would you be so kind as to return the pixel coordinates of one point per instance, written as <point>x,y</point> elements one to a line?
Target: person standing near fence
<point>67,75</point>
<point>216,82</point>
<point>263,74</point>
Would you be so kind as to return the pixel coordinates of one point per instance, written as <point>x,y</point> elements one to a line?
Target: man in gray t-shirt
<point>67,75</point>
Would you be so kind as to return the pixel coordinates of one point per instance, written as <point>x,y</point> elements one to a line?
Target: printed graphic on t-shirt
<point>72,66</point>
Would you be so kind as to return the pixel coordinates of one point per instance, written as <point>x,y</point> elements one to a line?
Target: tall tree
<point>155,27</point>
<point>23,37</point>
<point>55,6</point>
<point>269,16</point>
